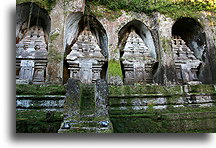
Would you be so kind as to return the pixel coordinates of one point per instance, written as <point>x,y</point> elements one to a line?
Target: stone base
<point>18,81</point>
<point>194,82</point>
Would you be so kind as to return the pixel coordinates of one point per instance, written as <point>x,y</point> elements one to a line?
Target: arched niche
<point>83,31</point>
<point>192,33</point>
<point>190,51</point>
<point>32,31</point>
<point>142,30</point>
<point>138,53</point>
<point>29,15</point>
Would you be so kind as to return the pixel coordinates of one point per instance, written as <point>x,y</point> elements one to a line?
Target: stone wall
<point>161,78</point>
<point>156,109</point>
<point>142,109</point>
<point>39,109</point>
<point>66,19</point>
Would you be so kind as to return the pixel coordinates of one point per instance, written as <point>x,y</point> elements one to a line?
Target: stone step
<point>86,130</point>
<point>39,102</point>
<point>40,97</point>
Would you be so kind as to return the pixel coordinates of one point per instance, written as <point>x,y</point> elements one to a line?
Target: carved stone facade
<point>185,62</point>
<point>31,57</point>
<point>137,61</point>
<point>85,59</point>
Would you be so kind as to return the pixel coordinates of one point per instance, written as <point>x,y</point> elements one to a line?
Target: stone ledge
<point>40,97</point>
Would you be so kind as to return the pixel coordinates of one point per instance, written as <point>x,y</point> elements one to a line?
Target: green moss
<point>166,45</point>
<point>22,89</point>
<point>151,90</point>
<point>87,100</point>
<point>182,126</point>
<point>114,68</point>
<point>54,36</point>
<point>131,124</point>
<point>202,88</point>
<point>185,119</point>
<point>38,121</point>
<point>54,55</point>
<point>46,4</point>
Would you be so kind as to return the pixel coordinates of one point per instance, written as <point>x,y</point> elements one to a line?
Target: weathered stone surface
<point>86,108</point>
<point>85,59</point>
<point>185,61</point>
<point>54,45</point>
<point>115,80</point>
<point>31,54</point>
<point>102,98</point>
<point>137,61</point>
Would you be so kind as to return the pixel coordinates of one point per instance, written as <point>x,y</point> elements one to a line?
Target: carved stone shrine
<point>85,59</point>
<point>31,56</point>
<point>137,61</point>
<point>185,62</point>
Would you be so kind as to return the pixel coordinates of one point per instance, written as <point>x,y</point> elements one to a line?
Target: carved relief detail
<point>185,62</point>
<point>85,59</point>
<point>31,56</point>
<point>137,61</point>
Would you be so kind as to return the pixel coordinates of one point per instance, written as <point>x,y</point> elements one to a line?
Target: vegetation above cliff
<point>46,4</point>
<point>167,7</point>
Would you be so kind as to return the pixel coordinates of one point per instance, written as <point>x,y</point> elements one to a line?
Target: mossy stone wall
<point>39,108</point>
<point>163,109</point>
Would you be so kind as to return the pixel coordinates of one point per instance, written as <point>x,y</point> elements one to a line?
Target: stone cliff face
<point>113,71</point>
<point>66,20</point>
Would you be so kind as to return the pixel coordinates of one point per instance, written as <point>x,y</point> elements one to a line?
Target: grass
<point>114,68</point>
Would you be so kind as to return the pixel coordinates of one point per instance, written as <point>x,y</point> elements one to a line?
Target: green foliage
<point>54,36</point>
<point>101,12</point>
<point>23,89</point>
<point>114,68</point>
<point>46,4</point>
<point>167,7</point>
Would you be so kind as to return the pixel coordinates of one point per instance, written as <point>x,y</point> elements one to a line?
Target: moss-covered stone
<point>143,89</point>
<point>54,36</point>
<point>87,100</point>
<point>38,121</point>
<point>23,89</point>
<point>114,68</point>
<point>54,55</point>
<point>135,124</point>
<point>166,45</point>
<point>202,88</point>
